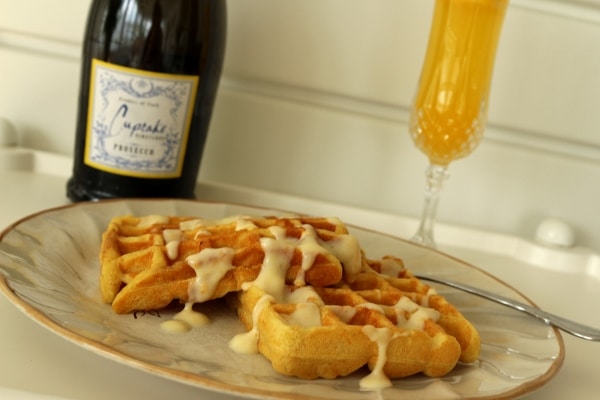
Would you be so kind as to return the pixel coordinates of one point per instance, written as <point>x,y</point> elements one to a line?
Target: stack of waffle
<point>311,301</point>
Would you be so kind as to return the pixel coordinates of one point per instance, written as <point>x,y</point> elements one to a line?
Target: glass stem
<point>436,175</point>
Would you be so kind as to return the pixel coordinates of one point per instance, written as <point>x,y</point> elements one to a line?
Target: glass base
<point>424,238</point>
<point>436,175</point>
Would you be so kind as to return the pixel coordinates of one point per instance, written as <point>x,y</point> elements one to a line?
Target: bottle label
<point>138,121</point>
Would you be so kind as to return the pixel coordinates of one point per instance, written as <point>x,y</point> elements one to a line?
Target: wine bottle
<point>149,78</point>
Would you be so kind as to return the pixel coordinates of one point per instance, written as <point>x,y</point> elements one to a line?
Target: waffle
<point>311,301</point>
<point>328,332</point>
<point>149,262</point>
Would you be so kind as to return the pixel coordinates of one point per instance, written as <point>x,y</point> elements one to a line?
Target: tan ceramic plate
<point>50,271</point>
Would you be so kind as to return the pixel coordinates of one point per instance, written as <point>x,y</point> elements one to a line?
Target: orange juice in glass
<point>449,111</point>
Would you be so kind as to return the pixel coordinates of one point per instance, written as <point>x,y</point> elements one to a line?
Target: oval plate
<point>50,270</point>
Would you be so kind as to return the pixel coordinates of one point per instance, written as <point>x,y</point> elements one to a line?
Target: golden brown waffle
<point>147,262</point>
<point>333,331</point>
<point>312,303</point>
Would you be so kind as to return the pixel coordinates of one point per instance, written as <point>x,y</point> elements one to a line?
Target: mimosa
<point>450,107</point>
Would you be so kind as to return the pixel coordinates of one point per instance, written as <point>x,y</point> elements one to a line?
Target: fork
<point>566,325</point>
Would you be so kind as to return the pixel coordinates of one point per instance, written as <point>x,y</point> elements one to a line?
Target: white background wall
<point>314,102</point>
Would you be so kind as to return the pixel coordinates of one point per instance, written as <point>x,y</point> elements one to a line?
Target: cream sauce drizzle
<point>244,223</point>
<point>344,313</point>
<point>185,320</point>
<point>172,239</point>
<point>210,265</point>
<point>306,315</point>
<point>346,249</point>
<point>382,338</point>
<point>149,220</point>
<point>310,247</point>
<point>418,314</point>
<point>191,317</point>
<point>191,224</point>
<point>302,295</point>
<point>247,342</point>
<point>391,267</point>
<point>175,326</point>
<point>201,232</point>
<point>276,261</point>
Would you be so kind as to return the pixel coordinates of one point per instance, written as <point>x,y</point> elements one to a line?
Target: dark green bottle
<point>149,78</point>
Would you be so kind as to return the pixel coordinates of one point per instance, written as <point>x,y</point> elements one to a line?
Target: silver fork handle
<point>574,328</point>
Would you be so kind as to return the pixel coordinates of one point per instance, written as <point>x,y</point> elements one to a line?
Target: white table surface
<point>36,363</point>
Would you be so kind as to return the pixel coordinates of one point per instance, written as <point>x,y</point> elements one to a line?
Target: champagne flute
<point>449,111</point>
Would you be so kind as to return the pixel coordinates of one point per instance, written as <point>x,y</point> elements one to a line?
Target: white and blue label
<point>138,121</point>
